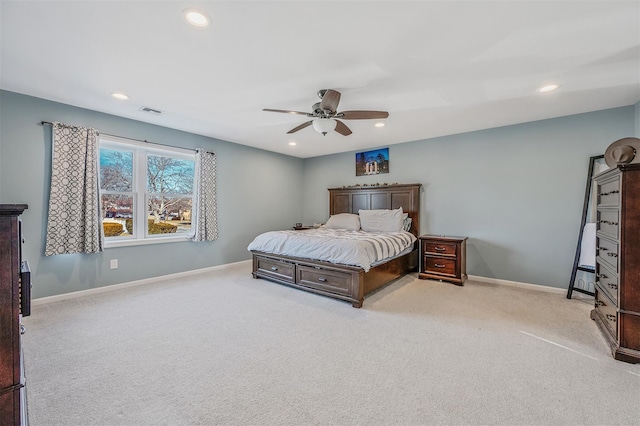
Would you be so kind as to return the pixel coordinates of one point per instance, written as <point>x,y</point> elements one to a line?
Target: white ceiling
<point>438,67</point>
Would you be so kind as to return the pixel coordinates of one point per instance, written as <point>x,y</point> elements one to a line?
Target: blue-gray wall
<point>247,180</point>
<point>516,192</point>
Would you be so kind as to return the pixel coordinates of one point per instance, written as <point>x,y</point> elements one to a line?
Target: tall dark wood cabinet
<point>617,298</point>
<point>15,295</point>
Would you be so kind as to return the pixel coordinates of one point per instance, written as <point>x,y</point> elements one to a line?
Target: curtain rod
<point>42,123</point>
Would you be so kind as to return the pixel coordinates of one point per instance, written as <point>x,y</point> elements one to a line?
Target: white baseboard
<point>115,287</point>
<point>528,286</point>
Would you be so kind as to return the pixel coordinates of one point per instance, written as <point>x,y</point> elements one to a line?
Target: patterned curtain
<point>206,202</point>
<point>74,224</point>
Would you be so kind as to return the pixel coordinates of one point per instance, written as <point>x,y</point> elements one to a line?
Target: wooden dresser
<point>15,298</point>
<point>617,289</point>
<point>443,258</point>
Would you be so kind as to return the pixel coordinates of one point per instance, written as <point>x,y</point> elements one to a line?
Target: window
<point>146,192</point>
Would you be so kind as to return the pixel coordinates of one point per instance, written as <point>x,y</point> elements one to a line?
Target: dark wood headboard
<point>352,199</point>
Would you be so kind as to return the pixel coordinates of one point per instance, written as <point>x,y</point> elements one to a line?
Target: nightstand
<point>443,258</point>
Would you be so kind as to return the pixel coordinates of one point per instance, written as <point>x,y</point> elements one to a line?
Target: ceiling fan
<point>325,114</point>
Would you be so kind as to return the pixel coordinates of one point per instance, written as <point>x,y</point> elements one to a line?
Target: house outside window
<point>146,192</point>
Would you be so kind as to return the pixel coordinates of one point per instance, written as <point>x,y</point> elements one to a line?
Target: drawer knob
<point>273,268</point>
<point>322,279</point>
<point>615,191</point>
<point>22,329</point>
<point>439,248</point>
<point>613,286</point>
<point>603,248</point>
<point>437,265</point>
<point>612,254</point>
<point>611,318</point>
<point>599,303</point>
<point>602,276</point>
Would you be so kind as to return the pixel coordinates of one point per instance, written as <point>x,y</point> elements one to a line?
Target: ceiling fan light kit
<point>324,125</point>
<point>325,114</point>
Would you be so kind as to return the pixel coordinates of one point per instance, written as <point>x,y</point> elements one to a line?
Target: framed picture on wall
<point>372,162</point>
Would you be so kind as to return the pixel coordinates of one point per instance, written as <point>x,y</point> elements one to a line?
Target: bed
<point>340,281</point>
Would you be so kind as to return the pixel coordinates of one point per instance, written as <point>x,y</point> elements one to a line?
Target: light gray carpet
<point>223,348</point>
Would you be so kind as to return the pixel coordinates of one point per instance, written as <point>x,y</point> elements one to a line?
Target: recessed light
<point>119,95</point>
<point>195,18</point>
<point>379,124</point>
<point>548,88</point>
<point>292,144</point>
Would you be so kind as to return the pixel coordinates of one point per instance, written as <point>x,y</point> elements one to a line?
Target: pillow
<point>406,224</point>
<point>381,220</point>
<point>348,221</point>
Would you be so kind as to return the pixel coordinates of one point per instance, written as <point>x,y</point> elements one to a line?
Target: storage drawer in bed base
<point>322,279</point>
<point>326,280</point>
<point>274,268</point>
<point>348,283</point>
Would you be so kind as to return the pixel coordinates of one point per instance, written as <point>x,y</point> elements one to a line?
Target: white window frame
<point>139,191</point>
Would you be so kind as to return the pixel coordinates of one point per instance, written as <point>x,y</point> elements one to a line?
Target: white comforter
<point>357,248</point>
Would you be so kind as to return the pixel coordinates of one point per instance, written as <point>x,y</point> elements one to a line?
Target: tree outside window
<point>147,188</point>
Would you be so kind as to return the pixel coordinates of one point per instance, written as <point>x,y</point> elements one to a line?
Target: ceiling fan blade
<point>362,115</point>
<point>286,111</point>
<point>300,127</point>
<point>330,100</point>
<point>342,128</point>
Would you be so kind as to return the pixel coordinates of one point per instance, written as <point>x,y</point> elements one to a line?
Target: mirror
<point>584,264</point>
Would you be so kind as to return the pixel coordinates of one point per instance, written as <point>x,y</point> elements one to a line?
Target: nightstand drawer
<point>440,265</point>
<point>439,247</point>
<point>276,268</point>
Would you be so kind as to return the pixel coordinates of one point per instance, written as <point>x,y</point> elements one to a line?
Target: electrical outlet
<point>114,263</point>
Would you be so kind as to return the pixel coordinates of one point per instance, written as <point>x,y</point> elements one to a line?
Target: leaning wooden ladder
<point>585,210</point>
